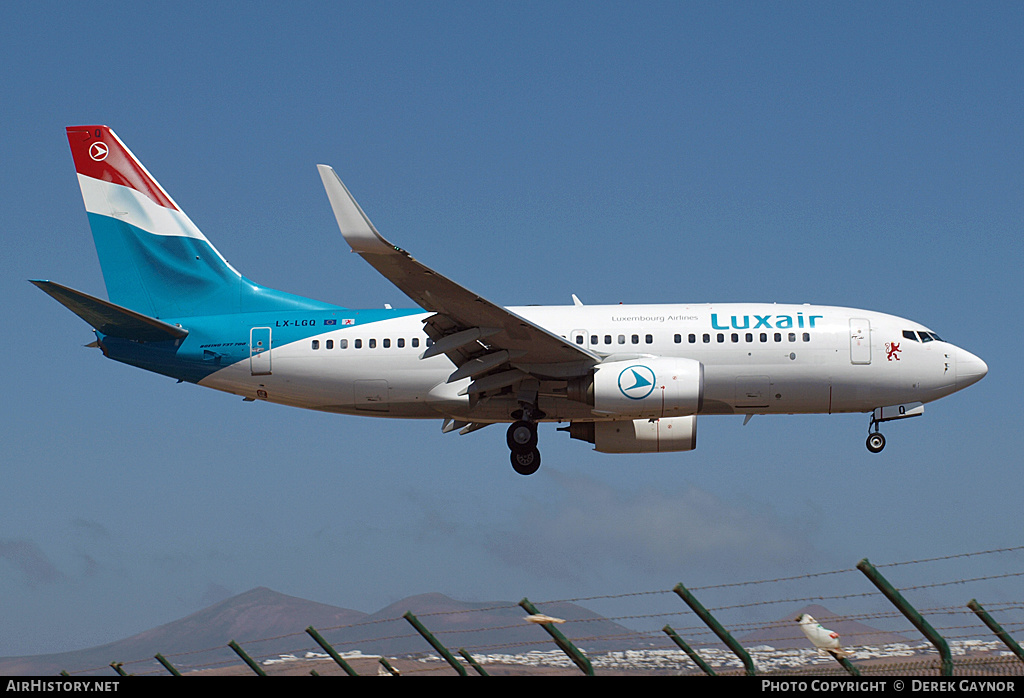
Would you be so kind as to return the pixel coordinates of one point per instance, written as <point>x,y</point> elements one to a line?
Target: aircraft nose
<point>969,369</point>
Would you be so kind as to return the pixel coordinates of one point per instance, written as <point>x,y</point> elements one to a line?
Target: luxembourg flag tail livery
<point>154,259</point>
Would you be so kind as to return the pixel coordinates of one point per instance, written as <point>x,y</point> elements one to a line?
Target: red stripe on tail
<point>100,154</point>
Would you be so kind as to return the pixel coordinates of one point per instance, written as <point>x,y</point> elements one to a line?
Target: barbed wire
<point>604,597</point>
<point>752,604</point>
<point>798,577</point>
<point>486,609</point>
<point>219,657</point>
<point>963,581</point>
<point>953,557</point>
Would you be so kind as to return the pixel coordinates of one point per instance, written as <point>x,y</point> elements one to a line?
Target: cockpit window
<point>925,336</point>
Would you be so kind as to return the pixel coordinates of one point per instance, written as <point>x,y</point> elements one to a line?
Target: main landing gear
<point>522,441</point>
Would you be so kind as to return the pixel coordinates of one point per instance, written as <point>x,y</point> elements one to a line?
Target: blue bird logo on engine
<point>636,382</point>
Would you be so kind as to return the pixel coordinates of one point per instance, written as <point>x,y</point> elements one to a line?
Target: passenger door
<point>860,341</point>
<point>259,351</point>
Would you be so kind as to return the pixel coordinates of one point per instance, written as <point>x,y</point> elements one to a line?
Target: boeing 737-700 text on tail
<point>628,379</point>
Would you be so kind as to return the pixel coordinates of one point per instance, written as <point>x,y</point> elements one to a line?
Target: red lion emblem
<point>892,351</point>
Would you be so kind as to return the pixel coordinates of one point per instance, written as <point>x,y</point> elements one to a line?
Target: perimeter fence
<point>938,621</point>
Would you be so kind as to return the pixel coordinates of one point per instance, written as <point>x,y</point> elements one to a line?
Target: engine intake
<point>643,388</point>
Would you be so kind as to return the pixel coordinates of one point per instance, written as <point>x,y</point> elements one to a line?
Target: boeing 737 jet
<point>627,379</point>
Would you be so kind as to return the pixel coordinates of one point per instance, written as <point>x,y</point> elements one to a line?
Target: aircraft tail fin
<point>155,260</point>
<point>110,319</point>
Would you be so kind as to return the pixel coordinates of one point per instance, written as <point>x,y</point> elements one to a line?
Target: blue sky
<point>856,154</point>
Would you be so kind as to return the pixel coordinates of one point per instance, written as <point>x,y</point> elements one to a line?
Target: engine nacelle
<point>648,388</point>
<point>639,435</point>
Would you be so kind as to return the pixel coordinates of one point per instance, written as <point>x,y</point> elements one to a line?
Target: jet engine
<point>643,388</point>
<point>639,435</point>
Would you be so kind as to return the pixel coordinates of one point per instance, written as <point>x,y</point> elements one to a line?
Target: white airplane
<point>628,379</point>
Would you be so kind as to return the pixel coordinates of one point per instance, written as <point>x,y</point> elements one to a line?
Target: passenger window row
<point>371,343</point>
<point>705,338</point>
<point>621,339</point>
<point>720,338</point>
<point>734,337</point>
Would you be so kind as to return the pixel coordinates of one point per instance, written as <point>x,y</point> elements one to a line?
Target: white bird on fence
<point>540,619</point>
<point>824,639</point>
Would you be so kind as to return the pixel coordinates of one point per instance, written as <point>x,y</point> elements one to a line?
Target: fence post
<point>689,650</point>
<point>442,650</point>
<point>996,628</point>
<point>845,663</point>
<point>167,665</point>
<point>910,613</point>
<point>387,665</point>
<point>326,647</point>
<point>472,662</point>
<point>116,666</point>
<point>571,651</point>
<point>715,626</point>
<point>246,658</point>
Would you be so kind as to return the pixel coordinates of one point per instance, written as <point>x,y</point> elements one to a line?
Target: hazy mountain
<point>200,640</point>
<point>268,624</point>
<point>497,627</point>
<point>258,613</point>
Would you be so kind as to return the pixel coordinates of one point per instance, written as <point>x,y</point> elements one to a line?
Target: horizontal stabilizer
<point>109,319</point>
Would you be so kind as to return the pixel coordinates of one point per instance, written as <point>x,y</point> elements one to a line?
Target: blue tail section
<point>155,260</point>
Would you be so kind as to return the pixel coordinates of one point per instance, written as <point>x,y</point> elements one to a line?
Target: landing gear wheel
<point>525,462</point>
<point>522,436</point>
<point>876,442</point>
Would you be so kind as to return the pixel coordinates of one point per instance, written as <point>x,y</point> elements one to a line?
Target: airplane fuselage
<point>757,358</point>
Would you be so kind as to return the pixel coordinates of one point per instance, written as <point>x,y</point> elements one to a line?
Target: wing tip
<point>355,225</point>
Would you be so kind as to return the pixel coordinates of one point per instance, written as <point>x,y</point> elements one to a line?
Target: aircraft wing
<point>480,337</point>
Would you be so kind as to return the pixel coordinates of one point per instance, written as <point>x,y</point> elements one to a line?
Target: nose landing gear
<point>876,442</point>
